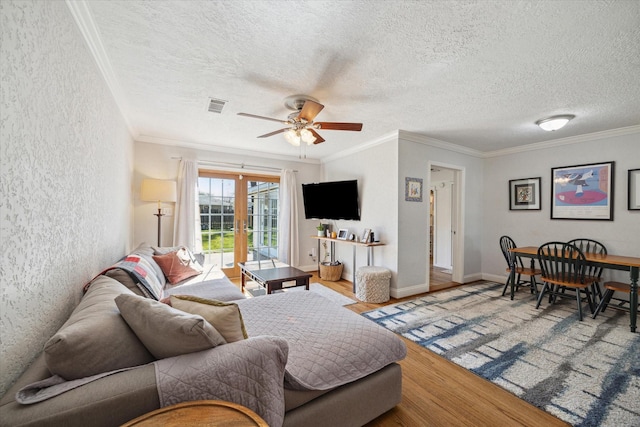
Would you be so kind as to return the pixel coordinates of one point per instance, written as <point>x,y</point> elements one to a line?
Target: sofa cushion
<point>175,268</point>
<point>166,331</point>
<point>224,316</point>
<point>95,338</point>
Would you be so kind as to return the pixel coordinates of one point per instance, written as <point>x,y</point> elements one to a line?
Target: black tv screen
<point>331,200</point>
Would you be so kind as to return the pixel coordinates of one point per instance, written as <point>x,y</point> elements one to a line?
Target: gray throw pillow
<point>224,316</point>
<point>95,338</point>
<point>164,330</point>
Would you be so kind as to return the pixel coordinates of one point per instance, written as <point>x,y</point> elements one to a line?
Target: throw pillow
<point>224,316</point>
<point>174,268</point>
<point>95,338</point>
<point>195,261</point>
<point>165,331</point>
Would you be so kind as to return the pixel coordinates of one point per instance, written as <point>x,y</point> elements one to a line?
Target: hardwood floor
<point>437,392</point>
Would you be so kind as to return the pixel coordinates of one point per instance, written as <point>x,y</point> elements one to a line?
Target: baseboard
<point>494,278</point>
<point>408,291</point>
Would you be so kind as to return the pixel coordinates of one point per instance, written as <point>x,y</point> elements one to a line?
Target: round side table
<point>199,413</point>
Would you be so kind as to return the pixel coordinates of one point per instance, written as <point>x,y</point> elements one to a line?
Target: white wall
<point>620,236</point>
<point>66,164</point>
<point>161,162</point>
<point>375,168</point>
<point>417,153</point>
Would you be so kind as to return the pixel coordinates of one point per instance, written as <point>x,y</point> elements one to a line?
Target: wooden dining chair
<point>507,243</point>
<point>593,272</point>
<point>610,289</point>
<point>563,267</point>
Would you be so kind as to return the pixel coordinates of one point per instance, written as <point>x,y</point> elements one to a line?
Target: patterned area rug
<point>585,373</point>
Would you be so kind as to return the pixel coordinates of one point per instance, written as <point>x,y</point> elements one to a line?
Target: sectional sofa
<point>138,342</point>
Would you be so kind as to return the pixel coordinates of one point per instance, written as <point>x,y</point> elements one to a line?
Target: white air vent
<point>216,105</point>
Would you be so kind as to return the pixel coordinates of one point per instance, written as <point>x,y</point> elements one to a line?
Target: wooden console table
<point>355,245</point>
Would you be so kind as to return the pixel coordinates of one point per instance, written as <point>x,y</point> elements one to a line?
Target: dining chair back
<point>515,263</point>
<point>563,266</point>
<point>593,271</point>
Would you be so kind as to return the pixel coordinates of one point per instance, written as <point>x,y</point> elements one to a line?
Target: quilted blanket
<point>248,372</point>
<point>329,345</point>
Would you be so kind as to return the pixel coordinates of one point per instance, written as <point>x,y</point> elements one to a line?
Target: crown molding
<point>565,141</point>
<point>223,149</point>
<point>391,136</point>
<point>86,25</point>
<point>433,142</point>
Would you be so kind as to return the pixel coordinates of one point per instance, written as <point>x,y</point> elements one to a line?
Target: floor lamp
<point>157,190</point>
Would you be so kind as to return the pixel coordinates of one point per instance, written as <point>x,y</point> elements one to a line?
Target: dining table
<point>610,261</point>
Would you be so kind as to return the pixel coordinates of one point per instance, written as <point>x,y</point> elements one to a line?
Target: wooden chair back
<point>562,263</point>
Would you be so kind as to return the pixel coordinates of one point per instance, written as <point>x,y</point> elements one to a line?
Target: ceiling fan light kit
<point>302,127</point>
<point>555,122</point>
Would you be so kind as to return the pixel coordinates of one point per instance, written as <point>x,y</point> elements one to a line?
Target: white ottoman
<point>372,284</point>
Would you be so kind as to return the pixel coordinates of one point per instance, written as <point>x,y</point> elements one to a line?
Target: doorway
<point>445,234</point>
<point>239,218</point>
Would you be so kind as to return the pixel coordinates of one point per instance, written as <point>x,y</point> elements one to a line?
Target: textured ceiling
<point>473,73</point>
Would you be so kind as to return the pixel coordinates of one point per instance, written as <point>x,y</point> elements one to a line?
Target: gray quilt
<point>248,372</point>
<point>329,345</point>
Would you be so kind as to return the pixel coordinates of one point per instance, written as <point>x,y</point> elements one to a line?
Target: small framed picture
<point>413,189</point>
<point>524,194</point>
<point>365,235</point>
<point>634,190</point>
<point>343,233</point>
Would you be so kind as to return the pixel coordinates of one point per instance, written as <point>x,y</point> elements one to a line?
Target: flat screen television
<point>331,200</point>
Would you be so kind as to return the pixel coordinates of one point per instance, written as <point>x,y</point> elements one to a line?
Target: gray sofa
<point>295,339</point>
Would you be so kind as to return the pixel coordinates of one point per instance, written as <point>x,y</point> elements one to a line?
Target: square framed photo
<point>343,233</point>
<point>524,194</point>
<point>413,189</point>
<point>634,190</point>
<point>583,191</point>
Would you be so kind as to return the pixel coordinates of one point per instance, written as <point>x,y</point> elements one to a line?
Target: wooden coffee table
<point>272,278</point>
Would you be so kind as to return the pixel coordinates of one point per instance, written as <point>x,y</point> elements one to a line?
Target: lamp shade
<point>157,190</point>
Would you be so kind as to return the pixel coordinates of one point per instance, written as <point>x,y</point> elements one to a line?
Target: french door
<point>239,218</point>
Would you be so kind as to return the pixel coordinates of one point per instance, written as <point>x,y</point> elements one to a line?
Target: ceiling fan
<point>300,122</point>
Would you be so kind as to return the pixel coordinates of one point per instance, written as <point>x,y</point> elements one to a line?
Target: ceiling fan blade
<point>310,110</point>
<point>319,139</point>
<point>339,126</point>
<point>266,135</point>
<point>262,117</point>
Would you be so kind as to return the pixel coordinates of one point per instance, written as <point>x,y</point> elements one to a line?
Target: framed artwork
<point>365,235</point>
<point>524,194</point>
<point>583,191</point>
<point>413,189</point>
<point>342,234</point>
<point>633,189</point>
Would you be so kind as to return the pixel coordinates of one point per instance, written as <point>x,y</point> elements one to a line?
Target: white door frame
<point>457,223</point>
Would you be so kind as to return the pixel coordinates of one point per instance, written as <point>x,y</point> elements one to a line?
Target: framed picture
<point>634,190</point>
<point>524,194</point>
<point>413,189</point>
<point>583,191</point>
<point>343,233</point>
<point>365,235</point>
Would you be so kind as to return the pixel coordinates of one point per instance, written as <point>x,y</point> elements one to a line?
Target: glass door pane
<point>262,216</point>
<point>217,216</point>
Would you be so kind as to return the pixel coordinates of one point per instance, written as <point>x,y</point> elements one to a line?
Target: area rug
<point>585,373</point>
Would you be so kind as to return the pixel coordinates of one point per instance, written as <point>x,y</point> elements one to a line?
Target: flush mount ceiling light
<point>554,122</point>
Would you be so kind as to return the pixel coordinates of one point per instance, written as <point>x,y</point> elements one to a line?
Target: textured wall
<point>66,166</point>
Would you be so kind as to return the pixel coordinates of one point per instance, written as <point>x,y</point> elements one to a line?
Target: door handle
<point>237,226</point>
<point>245,226</point>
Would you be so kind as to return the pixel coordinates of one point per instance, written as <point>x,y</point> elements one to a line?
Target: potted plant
<point>320,229</point>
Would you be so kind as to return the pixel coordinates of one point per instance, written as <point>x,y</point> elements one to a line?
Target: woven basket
<point>332,273</point>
